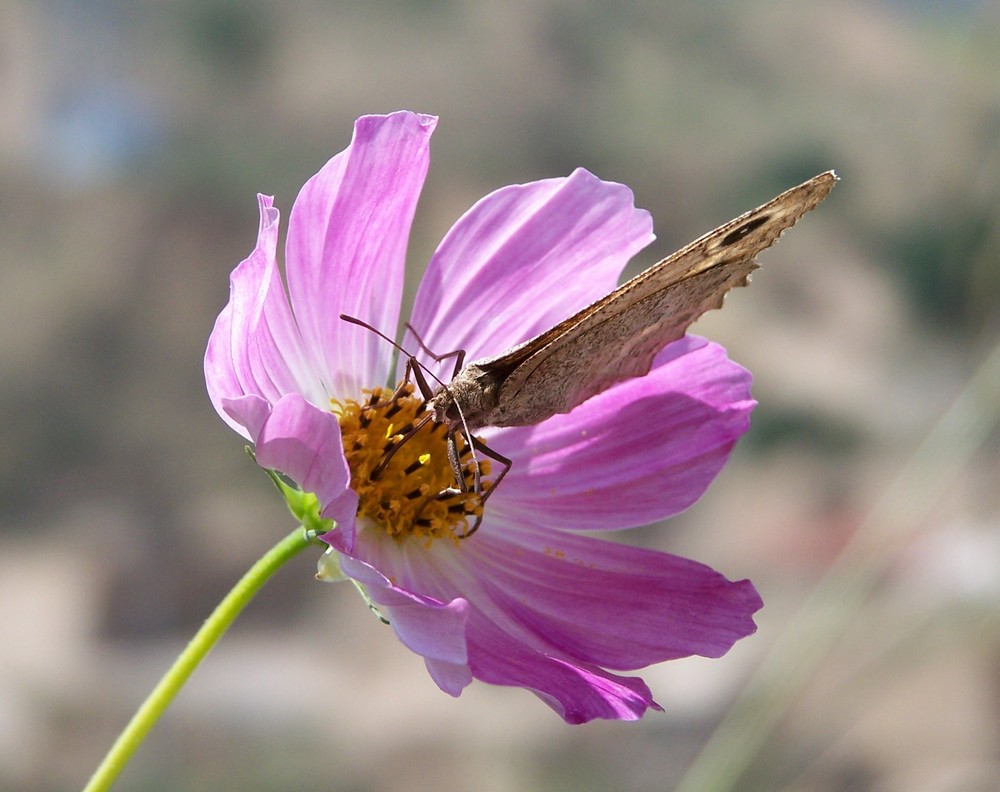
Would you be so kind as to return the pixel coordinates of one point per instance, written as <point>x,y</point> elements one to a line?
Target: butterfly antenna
<point>477,486</point>
<point>409,355</point>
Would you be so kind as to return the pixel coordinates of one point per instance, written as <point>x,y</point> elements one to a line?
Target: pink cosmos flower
<point>527,600</point>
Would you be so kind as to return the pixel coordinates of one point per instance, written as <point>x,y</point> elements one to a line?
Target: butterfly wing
<point>617,337</point>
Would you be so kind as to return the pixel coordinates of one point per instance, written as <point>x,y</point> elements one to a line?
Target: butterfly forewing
<point>617,337</point>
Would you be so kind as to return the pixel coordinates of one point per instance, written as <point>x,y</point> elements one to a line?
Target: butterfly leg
<point>496,456</point>
<point>413,367</point>
<point>456,467</point>
<point>458,354</point>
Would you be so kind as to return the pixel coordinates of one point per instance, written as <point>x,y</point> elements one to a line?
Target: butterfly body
<point>617,337</point>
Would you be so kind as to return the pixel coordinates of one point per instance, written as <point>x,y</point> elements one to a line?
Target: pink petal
<point>304,442</point>
<point>255,348</point>
<point>249,413</point>
<point>226,372</point>
<point>433,628</point>
<point>220,369</point>
<point>578,692</point>
<point>545,610</point>
<point>605,603</point>
<point>499,650</point>
<point>346,247</point>
<point>524,258</point>
<point>452,678</point>
<point>641,451</point>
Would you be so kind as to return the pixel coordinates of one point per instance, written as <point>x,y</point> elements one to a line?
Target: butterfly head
<point>468,402</point>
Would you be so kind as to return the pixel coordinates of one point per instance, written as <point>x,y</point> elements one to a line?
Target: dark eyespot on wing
<point>737,234</point>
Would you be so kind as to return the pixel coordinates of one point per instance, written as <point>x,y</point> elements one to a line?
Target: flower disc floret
<point>400,468</point>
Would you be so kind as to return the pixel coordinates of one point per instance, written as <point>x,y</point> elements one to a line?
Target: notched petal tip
<point>269,214</point>
<point>418,121</point>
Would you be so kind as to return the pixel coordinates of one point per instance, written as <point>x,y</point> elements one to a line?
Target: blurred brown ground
<point>133,138</point>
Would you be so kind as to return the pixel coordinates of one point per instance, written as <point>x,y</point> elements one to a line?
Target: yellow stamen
<point>405,482</point>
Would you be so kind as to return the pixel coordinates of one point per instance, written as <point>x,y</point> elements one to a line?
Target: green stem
<point>211,631</point>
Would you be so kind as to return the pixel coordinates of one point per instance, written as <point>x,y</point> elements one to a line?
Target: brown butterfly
<point>614,339</point>
<point>617,337</point>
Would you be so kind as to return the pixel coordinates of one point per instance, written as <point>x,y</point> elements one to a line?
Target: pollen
<point>401,471</point>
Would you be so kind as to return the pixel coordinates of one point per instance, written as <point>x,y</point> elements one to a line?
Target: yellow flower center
<point>398,458</point>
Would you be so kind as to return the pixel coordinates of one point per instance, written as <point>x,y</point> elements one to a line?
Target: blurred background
<point>864,502</point>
